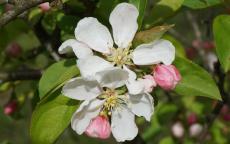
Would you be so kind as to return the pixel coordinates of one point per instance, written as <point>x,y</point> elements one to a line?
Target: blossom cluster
<point>116,78</point>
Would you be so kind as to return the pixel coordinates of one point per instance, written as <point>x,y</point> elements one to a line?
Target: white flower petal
<point>81,50</point>
<point>87,111</point>
<point>112,77</point>
<point>154,53</point>
<point>80,89</point>
<point>124,24</point>
<point>92,64</point>
<point>90,31</point>
<point>132,75</point>
<point>142,105</point>
<point>123,124</point>
<point>134,86</point>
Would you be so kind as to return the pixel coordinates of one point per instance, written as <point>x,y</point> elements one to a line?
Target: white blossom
<point>104,96</point>
<point>92,35</point>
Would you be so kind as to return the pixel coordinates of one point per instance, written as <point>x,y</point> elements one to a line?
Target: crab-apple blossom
<point>99,127</point>
<point>166,76</point>
<point>92,35</point>
<point>109,84</point>
<point>105,95</point>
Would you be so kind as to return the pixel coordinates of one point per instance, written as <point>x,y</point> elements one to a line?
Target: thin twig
<point>180,37</point>
<point>214,114</point>
<point>19,8</point>
<point>198,34</point>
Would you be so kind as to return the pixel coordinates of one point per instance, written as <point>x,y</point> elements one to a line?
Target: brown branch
<point>20,75</point>
<point>198,35</point>
<point>3,1</point>
<point>20,7</point>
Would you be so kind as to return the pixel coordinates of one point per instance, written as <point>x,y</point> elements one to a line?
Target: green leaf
<point>166,112</point>
<point>221,30</point>
<point>180,51</point>
<point>163,9</point>
<point>67,23</point>
<point>195,80</point>
<point>50,118</point>
<point>167,140</point>
<point>56,75</point>
<point>49,21</point>
<point>141,5</point>
<point>150,35</point>
<point>199,4</point>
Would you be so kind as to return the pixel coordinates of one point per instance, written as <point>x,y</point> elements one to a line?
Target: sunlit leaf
<point>141,5</point>
<point>195,80</point>
<point>56,75</point>
<point>150,34</point>
<point>180,51</point>
<point>163,9</point>
<point>199,4</point>
<point>50,118</point>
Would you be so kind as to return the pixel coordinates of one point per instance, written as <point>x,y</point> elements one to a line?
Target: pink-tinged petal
<point>149,83</point>
<point>99,127</point>
<point>91,32</point>
<point>134,86</point>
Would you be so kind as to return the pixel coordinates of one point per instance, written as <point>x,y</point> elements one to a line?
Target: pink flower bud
<point>192,118</point>
<point>225,109</point>
<point>195,130</point>
<point>196,43</point>
<point>99,127</point>
<point>178,130</point>
<point>13,50</point>
<point>10,107</point>
<point>166,76</point>
<point>226,117</point>
<point>45,6</point>
<point>191,53</point>
<point>148,82</point>
<point>208,45</point>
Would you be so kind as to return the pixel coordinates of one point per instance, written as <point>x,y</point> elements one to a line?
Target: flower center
<point>112,100</point>
<point>120,56</point>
